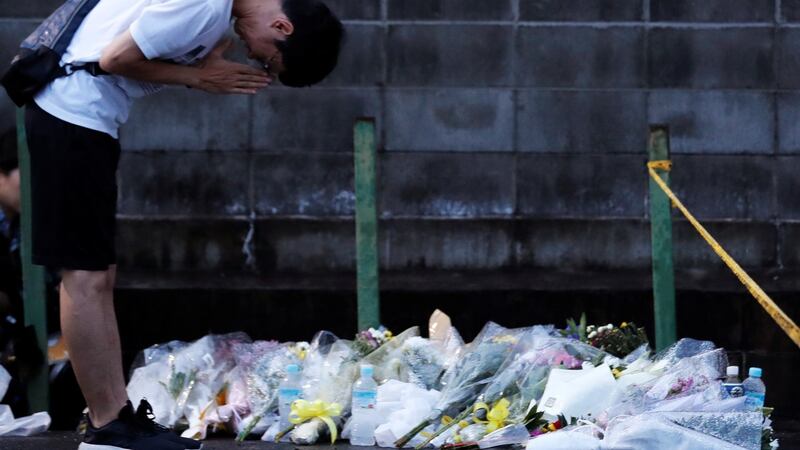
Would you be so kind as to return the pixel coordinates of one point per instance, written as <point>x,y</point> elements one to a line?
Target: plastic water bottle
<point>289,391</point>
<point>732,383</point>
<point>754,389</point>
<point>365,399</point>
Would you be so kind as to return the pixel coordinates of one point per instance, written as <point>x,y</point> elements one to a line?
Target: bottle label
<point>365,399</point>
<point>754,400</point>
<point>288,395</point>
<point>734,389</point>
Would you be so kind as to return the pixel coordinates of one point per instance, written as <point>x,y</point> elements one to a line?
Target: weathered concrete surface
<point>162,183</point>
<point>450,119</point>
<point>446,185</point>
<point>581,57</point>
<point>581,10</point>
<point>731,122</point>
<point>450,9</point>
<point>713,10</point>
<point>446,55</point>
<point>704,58</point>
<point>294,120</point>
<point>582,121</point>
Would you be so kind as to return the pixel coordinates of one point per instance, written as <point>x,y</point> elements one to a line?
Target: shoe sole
<point>85,446</point>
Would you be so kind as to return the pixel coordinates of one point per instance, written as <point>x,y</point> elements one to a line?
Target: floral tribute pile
<point>539,387</point>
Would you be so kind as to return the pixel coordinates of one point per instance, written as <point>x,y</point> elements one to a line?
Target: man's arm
<point>215,74</point>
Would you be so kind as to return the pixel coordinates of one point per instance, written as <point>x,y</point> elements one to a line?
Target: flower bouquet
<point>263,367</point>
<point>155,376</point>
<point>371,339</point>
<point>474,370</point>
<point>210,385</point>
<point>190,375</point>
<point>329,370</point>
<point>423,361</point>
<point>617,341</point>
<point>387,359</point>
<point>688,376</point>
<point>490,410</point>
<point>510,400</point>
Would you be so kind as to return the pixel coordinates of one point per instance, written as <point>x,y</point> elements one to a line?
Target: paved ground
<point>790,440</point>
<point>69,441</point>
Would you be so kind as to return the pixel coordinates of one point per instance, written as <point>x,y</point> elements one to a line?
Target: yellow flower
<point>551,427</point>
<point>624,324</point>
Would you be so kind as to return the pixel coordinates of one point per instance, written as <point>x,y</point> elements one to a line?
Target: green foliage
<point>533,420</point>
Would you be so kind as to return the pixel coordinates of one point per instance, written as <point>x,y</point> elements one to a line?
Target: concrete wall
<point>510,132</point>
<point>512,140</point>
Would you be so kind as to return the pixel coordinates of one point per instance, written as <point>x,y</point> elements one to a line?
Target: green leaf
<point>582,328</point>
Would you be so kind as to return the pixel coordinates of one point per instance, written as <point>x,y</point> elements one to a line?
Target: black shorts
<point>74,193</point>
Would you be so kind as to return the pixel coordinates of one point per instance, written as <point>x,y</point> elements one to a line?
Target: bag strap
<point>74,22</point>
<point>92,67</point>
<point>65,39</point>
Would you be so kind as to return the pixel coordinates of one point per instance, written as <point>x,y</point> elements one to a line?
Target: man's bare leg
<point>89,326</point>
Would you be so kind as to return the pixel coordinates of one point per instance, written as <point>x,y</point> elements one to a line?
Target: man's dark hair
<point>311,52</point>
<point>8,151</point>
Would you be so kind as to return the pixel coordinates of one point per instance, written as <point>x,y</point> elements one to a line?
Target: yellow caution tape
<point>783,321</point>
<point>664,164</point>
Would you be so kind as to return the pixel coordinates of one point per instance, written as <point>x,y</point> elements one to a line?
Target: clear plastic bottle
<point>754,389</point>
<point>365,399</point>
<point>290,390</point>
<point>732,382</point>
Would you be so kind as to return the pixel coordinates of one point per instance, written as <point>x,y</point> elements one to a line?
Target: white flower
<point>375,333</point>
<point>592,335</point>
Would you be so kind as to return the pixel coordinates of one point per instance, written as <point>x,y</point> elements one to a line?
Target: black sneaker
<point>144,413</point>
<point>125,433</point>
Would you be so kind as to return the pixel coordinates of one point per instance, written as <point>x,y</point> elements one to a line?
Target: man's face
<point>9,191</point>
<point>260,35</point>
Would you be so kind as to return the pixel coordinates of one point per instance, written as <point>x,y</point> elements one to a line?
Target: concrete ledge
<point>719,281</point>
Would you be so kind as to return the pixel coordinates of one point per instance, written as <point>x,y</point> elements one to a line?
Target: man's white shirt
<point>179,31</point>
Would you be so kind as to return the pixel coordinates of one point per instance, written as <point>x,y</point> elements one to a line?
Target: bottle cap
<point>755,372</point>
<point>732,371</point>
<point>366,370</point>
<point>292,368</point>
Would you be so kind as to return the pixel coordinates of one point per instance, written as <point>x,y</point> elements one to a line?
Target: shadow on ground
<point>788,434</point>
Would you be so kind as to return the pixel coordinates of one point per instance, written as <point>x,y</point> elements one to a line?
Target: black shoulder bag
<point>39,57</point>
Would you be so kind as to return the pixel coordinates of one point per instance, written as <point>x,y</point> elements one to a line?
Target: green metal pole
<point>32,276</point>
<point>366,225</point>
<point>661,238</point>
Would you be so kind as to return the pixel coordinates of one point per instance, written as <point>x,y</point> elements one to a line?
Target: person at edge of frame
<point>11,312</point>
<point>72,129</point>
<point>19,351</point>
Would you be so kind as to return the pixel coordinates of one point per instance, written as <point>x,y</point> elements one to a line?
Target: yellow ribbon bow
<point>303,411</point>
<point>495,417</point>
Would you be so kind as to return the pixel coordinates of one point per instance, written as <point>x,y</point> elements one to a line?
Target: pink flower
<point>680,386</point>
<point>567,360</point>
